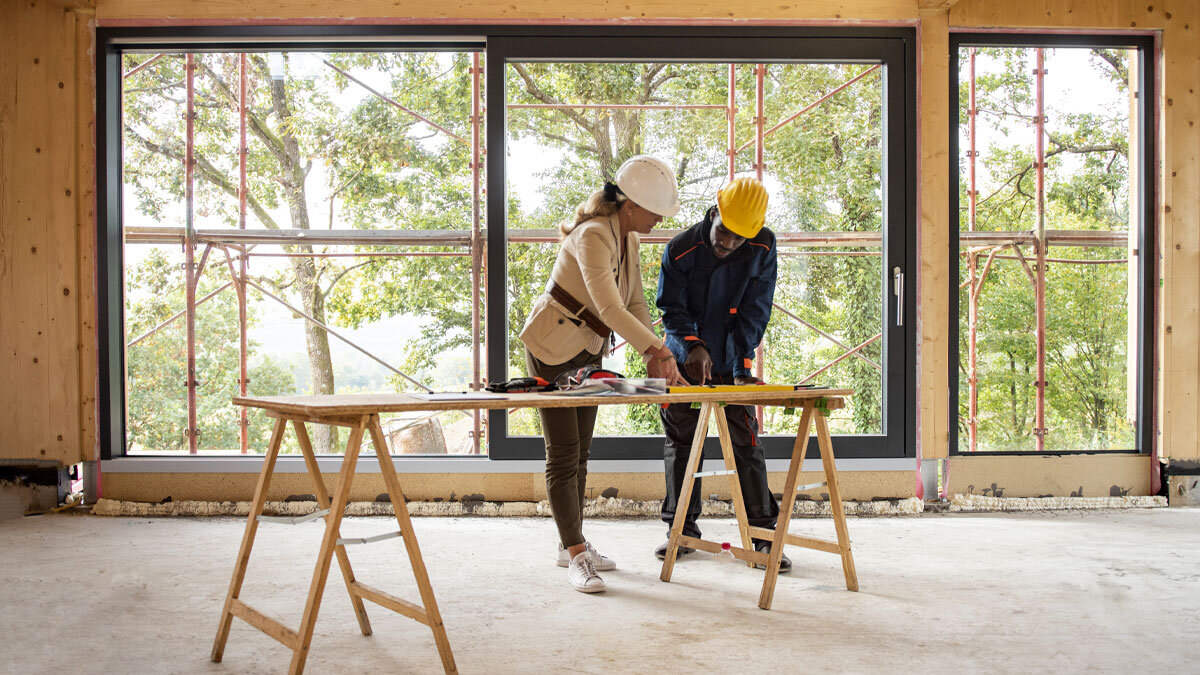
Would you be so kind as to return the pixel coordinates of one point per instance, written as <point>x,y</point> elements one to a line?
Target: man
<point>715,290</point>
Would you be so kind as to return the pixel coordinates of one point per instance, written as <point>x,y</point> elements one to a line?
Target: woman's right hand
<point>662,365</point>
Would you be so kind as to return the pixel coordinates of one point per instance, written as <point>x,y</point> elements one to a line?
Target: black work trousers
<point>679,421</point>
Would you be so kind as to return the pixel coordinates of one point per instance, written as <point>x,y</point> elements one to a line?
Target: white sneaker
<point>582,574</point>
<point>600,562</point>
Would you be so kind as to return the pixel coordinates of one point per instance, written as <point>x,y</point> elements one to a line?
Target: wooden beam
<point>559,11</point>
<point>85,229</point>
<point>75,5</point>
<point>59,219</point>
<point>10,300</point>
<point>935,5</point>
<point>31,192</point>
<point>397,605</point>
<point>1179,215</point>
<point>266,624</point>
<point>933,222</point>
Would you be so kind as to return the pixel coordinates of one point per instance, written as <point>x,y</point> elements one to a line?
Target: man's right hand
<point>698,365</point>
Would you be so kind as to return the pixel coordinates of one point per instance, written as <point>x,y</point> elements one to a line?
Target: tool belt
<point>575,307</point>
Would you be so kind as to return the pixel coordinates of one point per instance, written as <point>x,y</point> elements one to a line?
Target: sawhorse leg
<point>780,536</point>
<point>428,613</point>
<point>314,472</point>
<point>243,559</point>
<point>739,503</point>
<point>799,450</point>
<point>835,502</point>
<point>746,551</point>
<point>685,494</point>
<point>333,522</point>
<point>333,544</point>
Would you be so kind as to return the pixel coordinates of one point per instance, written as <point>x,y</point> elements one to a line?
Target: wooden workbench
<point>360,412</point>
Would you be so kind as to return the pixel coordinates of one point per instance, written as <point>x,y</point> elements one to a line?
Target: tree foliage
<point>1087,304</point>
<point>325,153</point>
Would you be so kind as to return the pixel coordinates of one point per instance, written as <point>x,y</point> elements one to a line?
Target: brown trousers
<point>568,433</point>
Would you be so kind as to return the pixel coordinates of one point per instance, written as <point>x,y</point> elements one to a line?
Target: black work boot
<point>661,551</point>
<point>763,546</point>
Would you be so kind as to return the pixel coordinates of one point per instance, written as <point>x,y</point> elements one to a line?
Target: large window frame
<point>894,47</point>
<point>1144,220</point>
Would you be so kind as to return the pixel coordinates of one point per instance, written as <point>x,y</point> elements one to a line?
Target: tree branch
<point>257,126</point>
<point>1109,56</point>
<point>333,282</point>
<point>207,172</point>
<point>535,91</point>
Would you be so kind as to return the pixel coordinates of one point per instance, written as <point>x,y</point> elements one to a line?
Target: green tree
<point>157,365</point>
<point>297,118</point>
<point>1087,189</point>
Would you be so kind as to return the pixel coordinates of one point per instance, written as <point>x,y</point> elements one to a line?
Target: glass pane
<point>356,234</point>
<point>570,125</point>
<point>1088,401</point>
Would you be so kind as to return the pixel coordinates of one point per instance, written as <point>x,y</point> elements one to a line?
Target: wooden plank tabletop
<point>364,404</point>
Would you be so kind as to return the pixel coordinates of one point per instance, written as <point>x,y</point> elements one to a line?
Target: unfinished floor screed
<point>1053,591</point>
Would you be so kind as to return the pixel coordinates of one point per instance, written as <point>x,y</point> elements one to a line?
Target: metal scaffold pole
<point>244,344</point>
<point>1040,243</point>
<point>972,270</point>
<point>189,256</point>
<point>730,119</point>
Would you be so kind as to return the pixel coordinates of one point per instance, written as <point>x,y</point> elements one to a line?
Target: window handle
<point>898,289</point>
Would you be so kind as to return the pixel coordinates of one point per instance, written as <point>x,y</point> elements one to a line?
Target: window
<point>391,235</point>
<point>1054,255</point>
<point>339,253</point>
<point>832,131</point>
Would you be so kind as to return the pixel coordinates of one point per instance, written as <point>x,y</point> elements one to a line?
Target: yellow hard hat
<point>743,206</point>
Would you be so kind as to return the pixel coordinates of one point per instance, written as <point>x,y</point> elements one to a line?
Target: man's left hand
<point>746,379</point>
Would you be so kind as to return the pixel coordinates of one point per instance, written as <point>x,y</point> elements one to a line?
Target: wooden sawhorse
<point>332,544</point>
<point>812,409</point>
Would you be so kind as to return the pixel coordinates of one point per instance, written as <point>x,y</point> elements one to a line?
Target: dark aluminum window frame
<point>895,47</point>
<point>1146,222</point>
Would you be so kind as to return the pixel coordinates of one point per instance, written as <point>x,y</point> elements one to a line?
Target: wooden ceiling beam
<point>935,5</point>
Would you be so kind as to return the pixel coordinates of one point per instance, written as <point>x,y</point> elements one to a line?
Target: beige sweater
<point>589,267</point>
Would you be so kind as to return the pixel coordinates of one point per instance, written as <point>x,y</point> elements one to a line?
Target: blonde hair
<point>595,206</point>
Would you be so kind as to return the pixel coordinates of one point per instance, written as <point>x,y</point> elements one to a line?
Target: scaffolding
<point>987,245</point>
<point>237,246</point>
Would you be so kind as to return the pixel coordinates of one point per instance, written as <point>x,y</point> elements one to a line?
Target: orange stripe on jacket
<point>756,244</point>
<point>693,248</point>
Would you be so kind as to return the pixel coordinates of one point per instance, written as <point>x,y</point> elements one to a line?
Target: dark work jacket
<point>724,305</point>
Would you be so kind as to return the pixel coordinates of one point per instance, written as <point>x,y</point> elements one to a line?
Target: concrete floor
<point>1060,591</point>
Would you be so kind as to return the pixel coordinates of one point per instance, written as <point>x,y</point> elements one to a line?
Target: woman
<point>595,289</point>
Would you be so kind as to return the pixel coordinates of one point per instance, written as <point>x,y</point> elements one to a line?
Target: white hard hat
<point>650,183</point>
